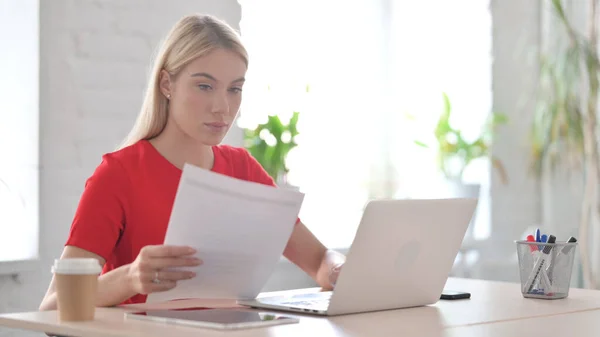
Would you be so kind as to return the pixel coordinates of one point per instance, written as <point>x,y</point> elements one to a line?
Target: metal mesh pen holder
<point>545,268</point>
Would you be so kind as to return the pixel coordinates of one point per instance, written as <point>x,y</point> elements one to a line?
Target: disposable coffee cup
<point>76,281</point>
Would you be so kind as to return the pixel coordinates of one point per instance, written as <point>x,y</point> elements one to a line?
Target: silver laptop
<point>402,254</point>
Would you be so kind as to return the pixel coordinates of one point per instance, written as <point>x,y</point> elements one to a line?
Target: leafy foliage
<point>452,147</point>
<point>271,142</point>
<point>557,130</point>
<point>565,127</point>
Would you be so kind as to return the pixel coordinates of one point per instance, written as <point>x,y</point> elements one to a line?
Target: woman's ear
<point>165,83</point>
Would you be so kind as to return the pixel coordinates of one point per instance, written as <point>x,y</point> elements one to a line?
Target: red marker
<point>530,238</point>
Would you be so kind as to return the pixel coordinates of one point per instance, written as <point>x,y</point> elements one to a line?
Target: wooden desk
<point>493,304</point>
<point>501,301</point>
<point>580,324</point>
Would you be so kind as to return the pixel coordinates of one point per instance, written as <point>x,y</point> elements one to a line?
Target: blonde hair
<point>191,37</point>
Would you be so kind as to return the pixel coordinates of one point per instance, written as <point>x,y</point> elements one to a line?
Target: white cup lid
<point>84,266</point>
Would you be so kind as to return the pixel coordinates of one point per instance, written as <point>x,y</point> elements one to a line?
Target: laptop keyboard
<point>320,300</point>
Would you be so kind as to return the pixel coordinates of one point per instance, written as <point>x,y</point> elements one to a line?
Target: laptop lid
<point>402,254</point>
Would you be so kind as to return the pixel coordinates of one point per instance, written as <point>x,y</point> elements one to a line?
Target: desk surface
<point>580,324</point>
<point>498,304</point>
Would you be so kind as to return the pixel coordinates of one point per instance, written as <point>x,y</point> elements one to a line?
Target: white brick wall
<point>94,57</point>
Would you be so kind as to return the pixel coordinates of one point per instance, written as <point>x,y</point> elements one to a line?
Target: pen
<point>567,248</point>
<point>539,267</point>
<point>543,239</point>
<point>532,248</point>
<point>545,279</point>
<point>564,251</point>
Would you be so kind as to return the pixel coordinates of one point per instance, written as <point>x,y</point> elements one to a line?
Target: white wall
<point>94,56</point>
<point>515,206</point>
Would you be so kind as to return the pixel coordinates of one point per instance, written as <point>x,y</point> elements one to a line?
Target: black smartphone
<point>454,295</point>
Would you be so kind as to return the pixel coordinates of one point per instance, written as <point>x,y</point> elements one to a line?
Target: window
<point>19,59</point>
<point>449,50</point>
<point>366,64</point>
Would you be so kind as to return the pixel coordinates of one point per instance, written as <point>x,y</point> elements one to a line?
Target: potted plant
<point>565,127</point>
<point>270,144</point>
<point>455,153</point>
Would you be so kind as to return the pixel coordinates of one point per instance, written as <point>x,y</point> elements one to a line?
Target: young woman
<point>192,99</point>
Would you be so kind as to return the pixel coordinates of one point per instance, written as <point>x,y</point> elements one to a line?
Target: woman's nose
<point>220,103</point>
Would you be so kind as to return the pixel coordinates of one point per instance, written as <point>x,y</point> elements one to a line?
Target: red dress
<point>126,203</point>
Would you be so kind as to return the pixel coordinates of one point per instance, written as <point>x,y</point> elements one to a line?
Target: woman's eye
<point>236,90</point>
<point>204,86</point>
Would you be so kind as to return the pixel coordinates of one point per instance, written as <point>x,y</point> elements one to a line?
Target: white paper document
<point>239,229</point>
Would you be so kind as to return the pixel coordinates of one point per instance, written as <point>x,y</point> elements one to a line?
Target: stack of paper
<point>239,228</point>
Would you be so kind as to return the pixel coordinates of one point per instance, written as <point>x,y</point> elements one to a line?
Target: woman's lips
<point>216,126</point>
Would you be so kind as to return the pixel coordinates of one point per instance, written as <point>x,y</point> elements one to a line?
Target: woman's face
<point>205,96</point>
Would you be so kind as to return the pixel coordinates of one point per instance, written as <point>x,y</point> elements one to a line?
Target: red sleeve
<point>100,215</point>
<point>256,172</point>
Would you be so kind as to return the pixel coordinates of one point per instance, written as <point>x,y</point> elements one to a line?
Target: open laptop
<point>402,254</point>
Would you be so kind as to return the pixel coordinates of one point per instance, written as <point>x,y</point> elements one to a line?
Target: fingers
<point>162,280</point>
<point>160,263</point>
<point>162,286</point>
<point>167,262</point>
<point>334,273</point>
<point>167,280</point>
<point>166,251</point>
<point>175,275</point>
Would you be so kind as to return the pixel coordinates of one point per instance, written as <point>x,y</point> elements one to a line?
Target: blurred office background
<point>368,81</point>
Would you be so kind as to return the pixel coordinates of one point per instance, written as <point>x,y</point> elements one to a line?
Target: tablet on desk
<point>220,319</point>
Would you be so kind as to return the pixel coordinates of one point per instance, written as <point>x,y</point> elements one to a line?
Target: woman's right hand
<point>157,268</point>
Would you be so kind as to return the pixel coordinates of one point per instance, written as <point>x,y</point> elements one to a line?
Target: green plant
<point>454,152</point>
<point>270,144</point>
<point>565,127</point>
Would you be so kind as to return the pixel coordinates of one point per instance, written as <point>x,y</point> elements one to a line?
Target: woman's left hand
<point>334,273</point>
<point>330,268</point>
